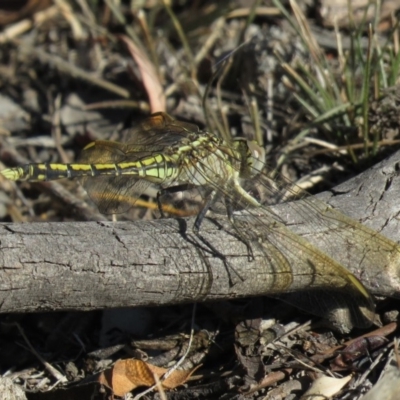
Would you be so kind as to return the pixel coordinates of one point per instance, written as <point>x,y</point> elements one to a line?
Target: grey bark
<point>92,265</point>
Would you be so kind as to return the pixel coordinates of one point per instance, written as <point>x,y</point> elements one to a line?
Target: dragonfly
<point>170,156</point>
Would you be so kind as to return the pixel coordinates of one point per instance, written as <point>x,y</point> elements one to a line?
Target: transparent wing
<point>157,132</point>
<point>112,194</point>
<point>290,262</point>
<point>117,194</point>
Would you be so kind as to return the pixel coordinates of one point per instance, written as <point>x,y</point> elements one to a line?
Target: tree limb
<point>92,265</point>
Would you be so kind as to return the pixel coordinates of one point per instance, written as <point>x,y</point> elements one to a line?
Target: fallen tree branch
<point>85,266</point>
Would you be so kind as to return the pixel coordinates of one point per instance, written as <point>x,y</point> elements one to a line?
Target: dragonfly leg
<point>229,211</point>
<point>160,193</point>
<point>211,198</point>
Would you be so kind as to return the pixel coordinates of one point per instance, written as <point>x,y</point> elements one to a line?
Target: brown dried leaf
<point>139,372</point>
<point>126,375</point>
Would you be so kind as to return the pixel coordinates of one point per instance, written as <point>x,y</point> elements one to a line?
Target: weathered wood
<point>84,266</point>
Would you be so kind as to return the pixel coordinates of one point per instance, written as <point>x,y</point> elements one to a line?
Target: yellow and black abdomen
<point>157,169</point>
<point>49,172</point>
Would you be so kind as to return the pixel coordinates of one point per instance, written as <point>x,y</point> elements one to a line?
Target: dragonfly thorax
<point>207,166</point>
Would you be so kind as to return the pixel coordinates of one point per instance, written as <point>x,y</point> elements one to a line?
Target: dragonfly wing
<point>113,194</point>
<point>116,194</point>
<point>108,152</point>
<point>314,281</point>
<point>363,247</point>
<point>302,275</point>
<point>158,132</point>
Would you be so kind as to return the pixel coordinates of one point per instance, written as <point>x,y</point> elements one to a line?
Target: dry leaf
<point>126,375</point>
<point>325,387</point>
